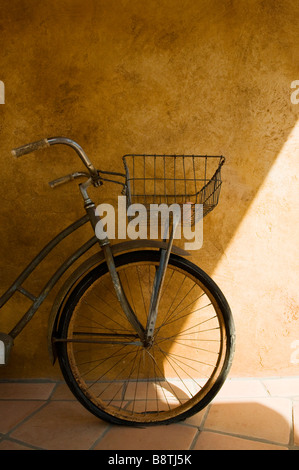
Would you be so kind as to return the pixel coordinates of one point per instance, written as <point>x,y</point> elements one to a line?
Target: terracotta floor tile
<point>288,387</point>
<point>61,426</point>
<point>247,414</point>
<point>242,388</point>
<point>197,419</point>
<point>10,445</point>
<point>26,391</point>
<point>296,422</point>
<point>15,411</point>
<point>215,441</point>
<point>62,392</point>
<point>173,437</point>
<point>263,418</point>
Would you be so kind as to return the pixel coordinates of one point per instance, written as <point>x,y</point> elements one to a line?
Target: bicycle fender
<point>83,269</point>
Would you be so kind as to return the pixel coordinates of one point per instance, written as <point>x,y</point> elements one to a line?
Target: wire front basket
<point>173,179</point>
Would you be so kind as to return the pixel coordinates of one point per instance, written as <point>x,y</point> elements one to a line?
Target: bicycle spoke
<point>191,376</point>
<point>109,318</point>
<point>177,293</point>
<point>167,359</point>
<point>120,373</point>
<point>163,391</point>
<point>191,359</point>
<point>172,312</point>
<point>136,384</point>
<point>141,291</point>
<point>165,322</point>
<point>129,288</point>
<point>181,332</point>
<point>186,315</point>
<point>197,348</point>
<point>103,361</point>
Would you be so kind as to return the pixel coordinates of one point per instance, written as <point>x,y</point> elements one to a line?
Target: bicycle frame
<point>108,253</point>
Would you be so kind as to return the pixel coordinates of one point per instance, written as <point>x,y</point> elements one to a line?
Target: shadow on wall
<point>197,77</point>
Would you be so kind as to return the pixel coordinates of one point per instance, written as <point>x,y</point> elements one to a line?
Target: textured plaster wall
<point>205,76</point>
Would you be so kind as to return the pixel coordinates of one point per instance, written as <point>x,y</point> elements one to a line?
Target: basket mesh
<point>173,179</point>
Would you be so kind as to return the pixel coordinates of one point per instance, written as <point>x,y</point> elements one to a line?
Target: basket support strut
<point>158,283</point>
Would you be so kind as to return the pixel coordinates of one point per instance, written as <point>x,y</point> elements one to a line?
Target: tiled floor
<point>247,414</point>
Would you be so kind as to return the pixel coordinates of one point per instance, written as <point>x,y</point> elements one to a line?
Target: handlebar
<point>96,177</point>
<point>41,144</point>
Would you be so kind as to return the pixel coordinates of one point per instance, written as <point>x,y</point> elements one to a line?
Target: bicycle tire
<point>167,399</point>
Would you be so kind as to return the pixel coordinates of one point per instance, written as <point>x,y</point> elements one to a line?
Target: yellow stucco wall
<point>167,76</point>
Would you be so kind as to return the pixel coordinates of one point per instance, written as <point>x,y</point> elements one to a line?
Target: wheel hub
<point>148,343</point>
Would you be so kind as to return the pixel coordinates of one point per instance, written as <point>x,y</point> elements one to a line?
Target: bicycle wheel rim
<point>167,396</point>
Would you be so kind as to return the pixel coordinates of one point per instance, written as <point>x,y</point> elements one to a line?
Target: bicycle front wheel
<point>121,380</point>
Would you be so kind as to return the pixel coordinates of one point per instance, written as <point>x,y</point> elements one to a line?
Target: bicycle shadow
<point>246,424</point>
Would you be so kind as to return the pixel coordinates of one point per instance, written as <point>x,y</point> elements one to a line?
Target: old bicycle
<point>142,335</point>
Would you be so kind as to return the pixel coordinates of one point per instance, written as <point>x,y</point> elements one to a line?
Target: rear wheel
<point>120,379</point>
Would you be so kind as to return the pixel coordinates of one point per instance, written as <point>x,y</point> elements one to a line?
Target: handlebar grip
<point>67,178</point>
<point>62,180</point>
<point>40,144</point>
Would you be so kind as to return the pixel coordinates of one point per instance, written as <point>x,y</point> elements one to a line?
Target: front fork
<point>145,335</point>
<point>105,245</point>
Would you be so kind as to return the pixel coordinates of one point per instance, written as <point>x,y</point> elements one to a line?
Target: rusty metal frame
<point>99,257</point>
<point>96,179</point>
<point>82,269</point>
